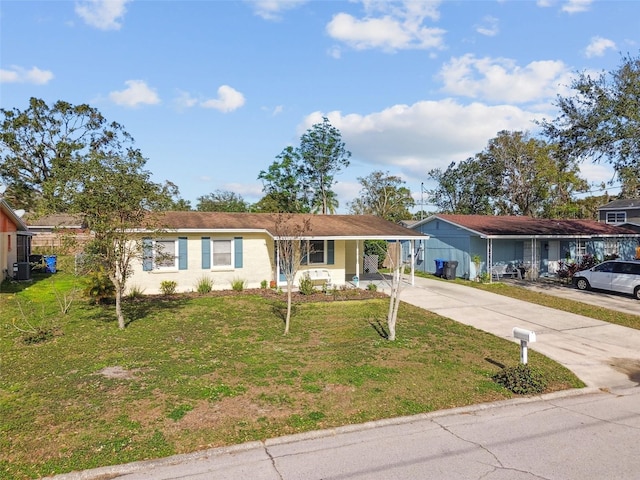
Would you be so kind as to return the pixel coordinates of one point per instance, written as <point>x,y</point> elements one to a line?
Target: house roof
<point>13,216</point>
<point>321,226</point>
<point>55,220</point>
<point>621,204</point>
<point>515,226</point>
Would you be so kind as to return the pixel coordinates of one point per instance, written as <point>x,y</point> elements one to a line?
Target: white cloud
<point>489,26</point>
<point>184,100</point>
<point>598,47</point>
<point>501,80</point>
<point>389,26</point>
<point>576,6</point>
<point>413,139</point>
<point>102,14</point>
<point>229,99</point>
<point>271,9</point>
<point>136,93</point>
<point>18,74</point>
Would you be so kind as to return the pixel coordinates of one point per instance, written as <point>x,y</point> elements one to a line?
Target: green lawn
<point>195,372</point>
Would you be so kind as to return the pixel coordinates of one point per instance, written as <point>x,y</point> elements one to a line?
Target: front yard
<point>197,371</point>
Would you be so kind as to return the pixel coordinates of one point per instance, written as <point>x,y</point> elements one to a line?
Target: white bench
<point>503,270</point>
<point>319,275</point>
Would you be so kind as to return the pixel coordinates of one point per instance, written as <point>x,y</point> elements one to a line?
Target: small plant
<point>272,284</point>
<point>168,287</point>
<point>522,379</point>
<point>135,291</point>
<point>485,277</point>
<point>372,287</point>
<point>305,286</point>
<point>238,284</point>
<point>477,262</point>
<point>263,284</point>
<point>204,284</point>
<point>35,328</point>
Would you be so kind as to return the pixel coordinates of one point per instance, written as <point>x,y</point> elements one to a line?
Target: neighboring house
<point>57,233</point>
<point>227,247</point>
<point>504,243</point>
<point>621,212</point>
<point>15,244</point>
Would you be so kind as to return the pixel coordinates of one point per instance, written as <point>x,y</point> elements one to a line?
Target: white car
<point>614,275</point>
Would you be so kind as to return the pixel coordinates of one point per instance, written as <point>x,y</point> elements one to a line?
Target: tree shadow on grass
<point>279,309</point>
<point>135,309</point>
<point>379,328</point>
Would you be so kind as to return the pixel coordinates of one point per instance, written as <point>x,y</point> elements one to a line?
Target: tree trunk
<point>288,319</point>
<point>119,314</point>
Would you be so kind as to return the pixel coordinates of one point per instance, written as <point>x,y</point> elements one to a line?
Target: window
<point>221,253</point>
<point>604,267</point>
<point>611,246</point>
<point>313,252</point>
<point>581,248</point>
<point>616,217</point>
<point>165,254</point>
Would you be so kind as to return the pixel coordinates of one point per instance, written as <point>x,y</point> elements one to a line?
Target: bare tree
<point>291,250</point>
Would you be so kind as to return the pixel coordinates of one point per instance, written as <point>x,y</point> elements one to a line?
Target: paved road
<point>592,433</point>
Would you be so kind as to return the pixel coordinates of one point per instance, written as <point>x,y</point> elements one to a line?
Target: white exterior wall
<point>257,265</point>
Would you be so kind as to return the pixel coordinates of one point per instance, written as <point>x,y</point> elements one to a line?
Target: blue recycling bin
<point>439,267</point>
<point>51,262</point>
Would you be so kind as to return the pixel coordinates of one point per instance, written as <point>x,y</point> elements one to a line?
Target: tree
<point>323,155</point>
<point>383,195</point>
<point>37,141</point>
<point>300,179</point>
<point>283,184</point>
<point>514,175</point>
<point>222,201</point>
<point>180,205</point>
<point>465,188</point>
<point>529,175</point>
<point>290,231</point>
<point>114,195</point>
<point>601,121</point>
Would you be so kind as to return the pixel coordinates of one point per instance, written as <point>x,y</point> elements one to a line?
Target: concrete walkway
<point>601,354</point>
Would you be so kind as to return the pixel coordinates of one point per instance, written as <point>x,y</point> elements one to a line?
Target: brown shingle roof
<point>334,226</point>
<point>513,226</point>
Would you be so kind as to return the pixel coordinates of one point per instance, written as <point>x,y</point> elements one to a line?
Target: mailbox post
<point>525,337</point>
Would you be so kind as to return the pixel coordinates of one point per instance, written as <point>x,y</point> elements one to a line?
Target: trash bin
<point>439,267</point>
<point>51,261</point>
<point>449,269</point>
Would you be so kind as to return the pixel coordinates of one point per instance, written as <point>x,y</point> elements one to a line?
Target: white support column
<point>358,258</point>
<point>412,256</point>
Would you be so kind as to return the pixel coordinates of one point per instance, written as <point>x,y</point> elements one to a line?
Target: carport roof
<point>517,226</point>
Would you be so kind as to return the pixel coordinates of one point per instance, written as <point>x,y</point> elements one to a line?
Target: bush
<point>522,379</point>
<point>168,287</point>
<point>372,287</point>
<point>263,284</point>
<point>568,268</point>
<point>305,286</point>
<point>238,284</point>
<point>99,286</point>
<point>204,284</point>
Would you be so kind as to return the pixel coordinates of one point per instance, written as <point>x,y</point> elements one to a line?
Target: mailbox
<point>525,335</point>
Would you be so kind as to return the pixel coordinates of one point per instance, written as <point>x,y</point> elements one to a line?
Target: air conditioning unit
<point>22,271</point>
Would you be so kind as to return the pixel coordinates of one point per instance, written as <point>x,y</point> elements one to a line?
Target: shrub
<point>372,287</point>
<point>168,287</point>
<point>135,291</point>
<point>263,284</point>
<point>99,286</point>
<point>568,268</point>
<point>522,379</point>
<point>305,286</point>
<point>238,284</point>
<point>204,284</point>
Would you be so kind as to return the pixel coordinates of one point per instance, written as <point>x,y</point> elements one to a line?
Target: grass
<point>200,371</point>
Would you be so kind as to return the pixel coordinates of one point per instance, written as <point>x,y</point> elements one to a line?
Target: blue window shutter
<point>147,254</point>
<point>330,252</point>
<point>206,252</point>
<point>237,247</point>
<point>182,253</point>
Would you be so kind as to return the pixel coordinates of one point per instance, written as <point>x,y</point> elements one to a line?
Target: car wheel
<point>636,293</point>
<point>582,284</point>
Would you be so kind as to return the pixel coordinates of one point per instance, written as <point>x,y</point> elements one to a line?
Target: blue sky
<point>213,91</point>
